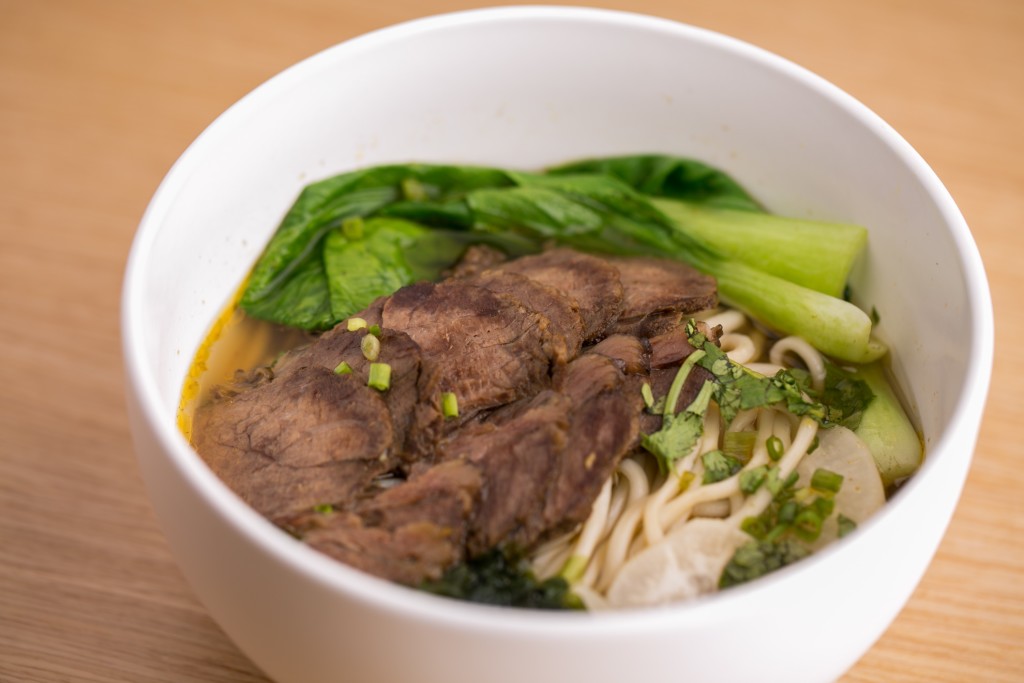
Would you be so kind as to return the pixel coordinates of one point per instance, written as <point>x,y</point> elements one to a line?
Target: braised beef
<point>407,533</point>
<point>517,450</point>
<point>486,348</point>
<point>309,438</point>
<point>591,282</point>
<point>658,294</point>
<point>549,401</point>
<point>476,259</point>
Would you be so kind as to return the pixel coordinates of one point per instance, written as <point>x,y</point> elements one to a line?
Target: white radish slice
<point>841,451</point>
<point>685,564</point>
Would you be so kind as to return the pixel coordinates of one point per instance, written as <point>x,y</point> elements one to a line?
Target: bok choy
<point>418,218</point>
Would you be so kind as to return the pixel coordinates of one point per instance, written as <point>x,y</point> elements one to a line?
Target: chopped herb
<point>343,368</point>
<point>719,466</point>
<point>826,480</point>
<point>374,330</point>
<point>775,447</point>
<point>354,324</point>
<point>679,433</point>
<point>380,376</point>
<point>751,480</point>
<point>757,558</point>
<point>846,525</point>
<point>495,578</point>
<point>449,404</point>
<point>324,509</point>
<point>814,445</point>
<point>370,346</point>
<point>739,388</point>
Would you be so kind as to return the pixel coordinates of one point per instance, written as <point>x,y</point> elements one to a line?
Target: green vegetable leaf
<point>497,578</point>
<point>757,558</point>
<point>666,176</point>
<point>679,432</point>
<point>593,206</point>
<point>719,466</point>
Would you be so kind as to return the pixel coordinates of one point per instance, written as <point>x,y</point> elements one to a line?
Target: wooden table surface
<point>98,98</point>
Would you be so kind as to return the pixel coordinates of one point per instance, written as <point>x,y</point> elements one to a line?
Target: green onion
<point>352,227</point>
<point>788,512</point>
<point>823,506</point>
<point>755,526</point>
<point>380,376</point>
<point>574,568</point>
<point>374,330</point>
<point>323,509</point>
<point>775,447</point>
<point>739,445</point>
<point>813,446</point>
<point>751,480</point>
<point>413,190</point>
<point>449,404</point>
<point>807,525</point>
<point>826,480</point>
<point>343,368</point>
<point>648,395</point>
<point>846,525</point>
<point>354,324</point>
<point>370,346</point>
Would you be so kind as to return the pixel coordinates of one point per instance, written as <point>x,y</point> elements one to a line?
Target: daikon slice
<point>686,563</point>
<point>841,451</point>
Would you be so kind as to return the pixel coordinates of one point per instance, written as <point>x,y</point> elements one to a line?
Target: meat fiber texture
<point>546,355</point>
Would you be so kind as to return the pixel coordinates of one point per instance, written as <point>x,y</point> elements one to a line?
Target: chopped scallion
<point>374,330</point>
<point>354,324</point>
<point>343,368</point>
<point>323,509</point>
<point>352,227</point>
<point>846,525</point>
<point>826,480</point>
<point>413,190</point>
<point>370,346</point>
<point>648,395</point>
<point>380,376</point>
<point>775,447</point>
<point>449,405</point>
<point>751,480</point>
<point>807,525</point>
<point>739,445</point>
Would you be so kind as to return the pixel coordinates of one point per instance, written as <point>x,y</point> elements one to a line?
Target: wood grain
<point>98,98</point>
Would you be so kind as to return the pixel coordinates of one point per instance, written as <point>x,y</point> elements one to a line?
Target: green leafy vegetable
<point>719,466</point>
<point>739,388</point>
<point>658,175</point>
<point>495,578</point>
<point>813,254</point>
<point>886,430</point>
<point>757,558</point>
<point>593,206</point>
<point>679,431</point>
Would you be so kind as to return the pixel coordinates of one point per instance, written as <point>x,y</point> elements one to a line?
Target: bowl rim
<point>370,590</point>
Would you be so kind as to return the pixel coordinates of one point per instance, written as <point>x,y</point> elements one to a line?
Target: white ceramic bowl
<point>526,87</point>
